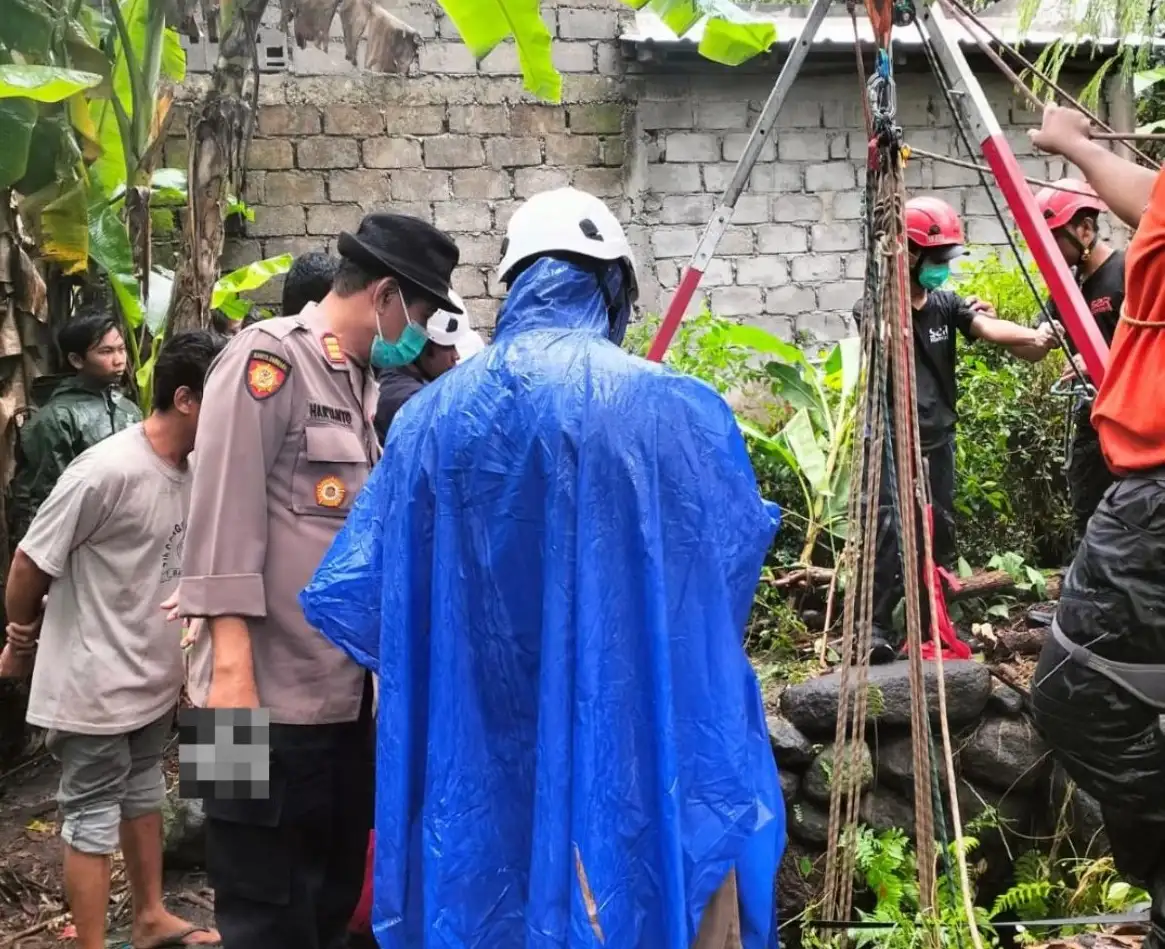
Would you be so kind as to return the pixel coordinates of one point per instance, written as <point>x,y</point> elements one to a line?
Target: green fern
<point>1031,867</point>
<point>1027,900</point>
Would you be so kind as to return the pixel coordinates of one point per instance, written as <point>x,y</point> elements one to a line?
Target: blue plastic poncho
<point>551,570</point>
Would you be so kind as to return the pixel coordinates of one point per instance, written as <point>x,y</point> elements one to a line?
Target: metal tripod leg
<point>968,96</point>
<point>714,230</point>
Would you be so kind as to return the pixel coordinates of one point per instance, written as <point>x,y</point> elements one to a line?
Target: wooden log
<point>812,576</point>
<point>1022,642</point>
<point>980,584</point>
<point>997,582</point>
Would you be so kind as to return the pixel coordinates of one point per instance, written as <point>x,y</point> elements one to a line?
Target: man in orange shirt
<point>1099,690</point>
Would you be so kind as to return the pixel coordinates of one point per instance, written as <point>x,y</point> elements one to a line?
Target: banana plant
<point>90,96</point>
<point>730,35</point>
<point>815,441</point>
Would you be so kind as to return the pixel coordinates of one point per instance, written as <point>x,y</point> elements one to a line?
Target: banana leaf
<point>168,187</point>
<point>250,277</point>
<point>484,24</point>
<point>753,337</point>
<point>799,435</point>
<point>63,229</point>
<point>43,83</point>
<point>731,36</point>
<point>17,120</point>
<point>82,122</point>
<point>843,367</point>
<point>109,247</point>
<point>158,304</point>
<point>789,383</point>
<point>53,154</point>
<point>27,26</point>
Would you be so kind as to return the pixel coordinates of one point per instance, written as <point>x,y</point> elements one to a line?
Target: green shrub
<point>1010,491</point>
<point>1011,494</point>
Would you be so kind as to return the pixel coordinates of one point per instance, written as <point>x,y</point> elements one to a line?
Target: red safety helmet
<point>934,226</point>
<point>1068,198</point>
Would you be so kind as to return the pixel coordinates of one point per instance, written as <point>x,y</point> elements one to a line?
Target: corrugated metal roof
<point>648,29</point>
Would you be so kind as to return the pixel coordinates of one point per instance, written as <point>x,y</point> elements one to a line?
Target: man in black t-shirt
<point>1071,210</point>
<point>935,238</point>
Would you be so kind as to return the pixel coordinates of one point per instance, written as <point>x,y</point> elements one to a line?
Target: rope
<point>1043,77</point>
<point>852,8</point>
<point>838,888</point>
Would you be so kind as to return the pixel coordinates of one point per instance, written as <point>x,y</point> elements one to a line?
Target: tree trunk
<point>219,134</point>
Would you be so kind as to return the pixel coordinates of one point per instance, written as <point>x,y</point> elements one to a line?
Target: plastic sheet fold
<point>551,570</point>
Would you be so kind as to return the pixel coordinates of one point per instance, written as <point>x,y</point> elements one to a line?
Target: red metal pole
<point>968,96</point>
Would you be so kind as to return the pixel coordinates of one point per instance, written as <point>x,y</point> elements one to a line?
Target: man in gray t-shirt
<point>105,548</point>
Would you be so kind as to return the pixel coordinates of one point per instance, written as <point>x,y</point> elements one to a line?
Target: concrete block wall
<point>460,144</point>
<point>457,143</point>
<point>793,258</point>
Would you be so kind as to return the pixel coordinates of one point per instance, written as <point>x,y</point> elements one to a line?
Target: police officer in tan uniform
<point>287,446</point>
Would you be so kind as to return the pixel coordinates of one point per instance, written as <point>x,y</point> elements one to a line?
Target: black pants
<point>1088,473</point>
<point>888,582</point>
<point>287,872</point>
<point>1108,740</point>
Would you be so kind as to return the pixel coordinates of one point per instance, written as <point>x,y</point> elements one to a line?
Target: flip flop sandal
<point>178,940</point>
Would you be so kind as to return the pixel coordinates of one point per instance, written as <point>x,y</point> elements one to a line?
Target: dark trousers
<point>888,582</point>
<point>1089,476</point>
<point>287,872</point>
<point>1108,739</point>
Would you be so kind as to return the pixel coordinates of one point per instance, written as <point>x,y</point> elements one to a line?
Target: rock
<point>884,809</point>
<point>1012,809</point>
<point>790,786</point>
<point>183,832</point>
<point>1006,701</point>
<point>809,824</point>
<point>895,764</point>
<point>800,879</point>
<point>791,749</point>
<point>818,783</point>
<point>812,706</point>
<point>1005,753</point>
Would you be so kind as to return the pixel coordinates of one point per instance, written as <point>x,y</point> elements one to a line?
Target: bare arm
<point>27,587</point>
<point>232,683</point>
<point>1123,185</point>
<point>23,598</point>
<point>1022,341</point>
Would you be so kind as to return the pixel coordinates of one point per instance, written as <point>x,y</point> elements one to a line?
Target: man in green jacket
<point>82,410</point>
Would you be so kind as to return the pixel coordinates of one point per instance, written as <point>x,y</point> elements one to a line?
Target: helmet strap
<point>1084,250</point>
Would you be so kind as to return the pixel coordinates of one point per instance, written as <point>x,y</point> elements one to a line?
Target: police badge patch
<point>266,374</point>
<point>330,492</point>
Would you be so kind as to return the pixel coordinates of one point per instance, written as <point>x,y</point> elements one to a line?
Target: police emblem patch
<point>266,374</point>
<point>332,351</point>
<point>330,492</point>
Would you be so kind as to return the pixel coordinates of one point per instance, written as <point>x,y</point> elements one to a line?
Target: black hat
<point>397,245</point>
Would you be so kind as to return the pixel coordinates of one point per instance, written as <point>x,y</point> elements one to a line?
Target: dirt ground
<point>32,902</point>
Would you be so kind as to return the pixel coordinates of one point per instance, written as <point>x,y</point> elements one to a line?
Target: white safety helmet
<point>470,345</point>
<point>448,329</point>
<point>566,220</point>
